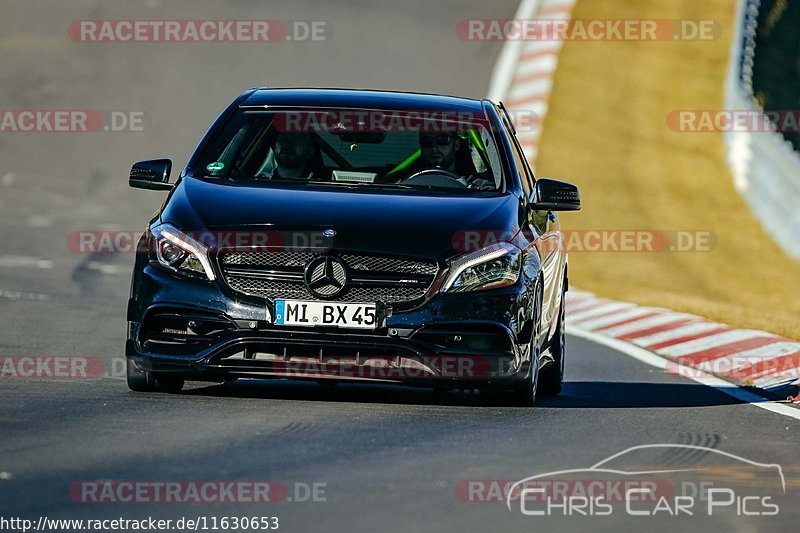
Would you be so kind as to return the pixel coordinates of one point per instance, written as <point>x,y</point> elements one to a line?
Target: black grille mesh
<point>361,266</point>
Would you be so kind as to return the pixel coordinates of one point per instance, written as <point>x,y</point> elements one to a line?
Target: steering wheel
<point>435,177</point>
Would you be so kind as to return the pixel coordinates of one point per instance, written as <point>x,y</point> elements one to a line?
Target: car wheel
<point>138,380</point>
<point>551,379</point>
<point>144,381</point>
<point>170,383</point>
<point>525,394</point>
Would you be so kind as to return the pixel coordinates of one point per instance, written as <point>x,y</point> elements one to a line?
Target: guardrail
<point>765,166</point>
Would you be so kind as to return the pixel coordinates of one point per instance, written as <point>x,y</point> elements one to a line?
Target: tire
<point>551,379</point>
<point>138,380</point>
<point>525,394</point>
<point>143,381</point>
<point>170,383</point>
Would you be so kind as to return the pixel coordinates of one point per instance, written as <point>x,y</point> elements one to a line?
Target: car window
<point>379,154</point>
<point>522,165</point>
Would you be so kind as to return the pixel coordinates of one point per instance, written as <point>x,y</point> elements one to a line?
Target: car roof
<point>360,99</point>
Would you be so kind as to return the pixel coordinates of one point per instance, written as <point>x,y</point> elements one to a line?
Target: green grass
<point>607,131</point>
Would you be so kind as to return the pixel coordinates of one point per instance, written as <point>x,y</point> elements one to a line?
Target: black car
<point>333,234</point>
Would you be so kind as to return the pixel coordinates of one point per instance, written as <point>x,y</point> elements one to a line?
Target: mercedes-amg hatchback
<point>355,235</point>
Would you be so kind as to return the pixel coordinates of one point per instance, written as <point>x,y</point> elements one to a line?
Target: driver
<point>440,150</point>
<point>296,157</point>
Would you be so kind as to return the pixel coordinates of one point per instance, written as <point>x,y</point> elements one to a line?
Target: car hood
<point>424,225</point>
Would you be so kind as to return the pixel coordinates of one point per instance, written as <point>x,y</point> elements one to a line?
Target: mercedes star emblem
<point>325,276</point>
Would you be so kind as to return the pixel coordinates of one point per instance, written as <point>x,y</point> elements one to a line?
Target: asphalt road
<point>382,458</point>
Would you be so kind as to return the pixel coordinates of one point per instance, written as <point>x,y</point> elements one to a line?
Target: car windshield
<point>443,151</point>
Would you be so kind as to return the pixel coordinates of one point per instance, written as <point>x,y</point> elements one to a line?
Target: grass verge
<point>607,131</point>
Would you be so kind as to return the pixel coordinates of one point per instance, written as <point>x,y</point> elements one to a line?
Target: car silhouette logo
<point>610,466</point>
<point>325,277</point>
<point>329,232</point>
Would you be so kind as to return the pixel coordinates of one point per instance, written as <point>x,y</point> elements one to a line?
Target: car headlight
<point>492,267</point>
<point>181,253</point>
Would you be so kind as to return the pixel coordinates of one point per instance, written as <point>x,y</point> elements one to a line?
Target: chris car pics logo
<point>662,480</point>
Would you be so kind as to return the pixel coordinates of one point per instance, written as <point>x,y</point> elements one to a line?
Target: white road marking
<point>557,15</point>
<point>610,307</point>
<point>691,328</point>
<point>507,61</point>
<point>545,64</point>
<point>21,261</point>
<point>781,378</point>
<point>40,221</point>
<point>560,4</point>
<point>583,305</point>
<point>753,356</point>
<point>645,323</point>
<point>698,376</point>
<point>712,341</point>
<point>6,475</point>
<point>553,46</point>
<point>607,320</point>
<point>17,295</point>
<point>104,268</point>
<point>531,88</point>
<point>8,179</point>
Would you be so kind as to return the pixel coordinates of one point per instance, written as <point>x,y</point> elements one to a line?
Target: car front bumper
<point>205,332</point>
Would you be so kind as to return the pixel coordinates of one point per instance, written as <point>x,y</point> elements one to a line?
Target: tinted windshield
<point>377,149</point>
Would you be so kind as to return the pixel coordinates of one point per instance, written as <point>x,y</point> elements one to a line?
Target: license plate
<point>329,314</point>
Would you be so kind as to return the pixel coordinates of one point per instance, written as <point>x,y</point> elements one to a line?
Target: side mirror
<point>554,195</point>
<point>151,174</point>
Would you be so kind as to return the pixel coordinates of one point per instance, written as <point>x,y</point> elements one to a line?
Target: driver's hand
<point>475,182</point>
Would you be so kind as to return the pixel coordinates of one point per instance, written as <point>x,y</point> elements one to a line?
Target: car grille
<point>371,278</point>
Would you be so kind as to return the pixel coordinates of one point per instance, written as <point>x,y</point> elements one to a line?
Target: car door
<point>545,225</point>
